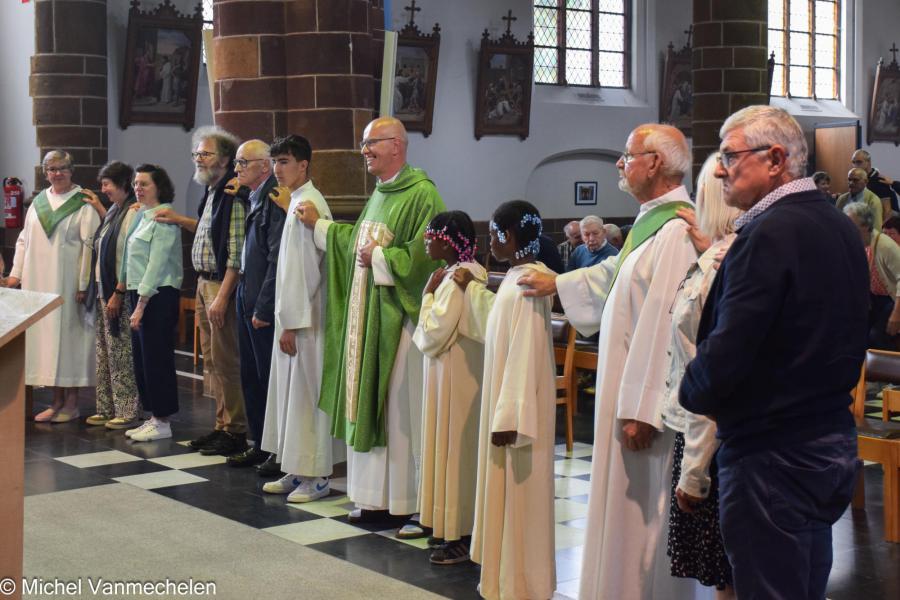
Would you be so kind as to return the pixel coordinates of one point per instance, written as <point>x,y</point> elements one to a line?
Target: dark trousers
<point>776,509</point>
<point>153,352</point>
<point>880,311</point>
<point>255,346</point>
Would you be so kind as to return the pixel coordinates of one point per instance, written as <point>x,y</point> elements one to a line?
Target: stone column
<point>729,66</point>
<point>68,84</point>
<point>304,67</point>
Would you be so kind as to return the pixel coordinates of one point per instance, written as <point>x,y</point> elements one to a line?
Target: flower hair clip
<point>501,235</point>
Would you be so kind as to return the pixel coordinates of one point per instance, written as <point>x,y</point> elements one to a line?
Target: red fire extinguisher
<point>14,196</point>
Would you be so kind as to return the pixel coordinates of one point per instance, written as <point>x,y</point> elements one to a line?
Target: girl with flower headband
<point>452,372</point>
<point>513,537</point>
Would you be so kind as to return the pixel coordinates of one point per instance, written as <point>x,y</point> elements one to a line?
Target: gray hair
<point>58,155</point>
<point>763,125</point>
<point>591,220</point>
<point>671,146</point>
<point>865,154</point>
<point>568,227</point>
<point>859,172</point>
<point>715,219</point>
<point>226,143</point>
<point>612,230</point>
<point>862,213</point>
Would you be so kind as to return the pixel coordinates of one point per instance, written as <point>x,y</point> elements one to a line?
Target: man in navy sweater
<point>780,345</point>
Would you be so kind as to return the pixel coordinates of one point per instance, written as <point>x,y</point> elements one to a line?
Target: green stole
<point>645,228</point>
<point>364,321</point>
<point>50,218</point>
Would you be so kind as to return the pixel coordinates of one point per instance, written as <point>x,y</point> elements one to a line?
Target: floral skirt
<point>695,544</point>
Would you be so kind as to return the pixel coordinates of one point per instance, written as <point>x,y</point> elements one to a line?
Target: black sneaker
<point>226,444</point>
<point>205,440</point>
<point>247,458</point>
<point>270,468</point>
<point>434,542</point>
<point>450,553</point>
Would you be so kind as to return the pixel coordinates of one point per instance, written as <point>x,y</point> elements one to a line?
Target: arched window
<point>582,42</point>
<point>805,37</point>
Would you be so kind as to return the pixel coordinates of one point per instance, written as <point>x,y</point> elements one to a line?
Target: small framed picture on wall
<point>585,192</point>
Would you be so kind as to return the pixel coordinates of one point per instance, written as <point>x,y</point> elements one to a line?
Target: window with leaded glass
<point>582,42</point>
<point>207,21</point>
<point>805,37</point>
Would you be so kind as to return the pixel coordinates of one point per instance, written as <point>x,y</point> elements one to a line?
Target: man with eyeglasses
<point>858,192</point>
<point>626,298</point>
<point>780,344</point>
<point>878,184</point>
<point>216,256</point>
<point>372,379</point>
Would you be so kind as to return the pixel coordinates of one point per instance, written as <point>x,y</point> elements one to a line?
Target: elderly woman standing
<point>53,255</point>
<point>884,274</point>
<point>117,396</point>
<point>695,546</point>
<point>153,274</point>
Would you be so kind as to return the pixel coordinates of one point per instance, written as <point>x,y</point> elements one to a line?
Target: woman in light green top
<point>153,273</point>
<point>117,395</point>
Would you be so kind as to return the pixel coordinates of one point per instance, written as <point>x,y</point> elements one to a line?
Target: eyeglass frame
<point>627,157</point>
<point>49,170</point>
<point>723,157</point>
<point>203,154</point>
<point>243,162</point>
<point>368,143</point>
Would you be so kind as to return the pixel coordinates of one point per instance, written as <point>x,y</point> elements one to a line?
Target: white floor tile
<point>98,459</point>
<point>566,487</point>
<point>566,510</point>
<point>160,479</point>
<point>569,467</point>
<point>188,461</point>
<point>420,543</point>
<point>331,506</point>
<point>568,537</point>
<point>316,531</point>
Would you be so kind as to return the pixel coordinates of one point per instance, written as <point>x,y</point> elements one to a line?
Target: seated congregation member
<point>614,235</point>
<point>878,184</point>
<point>858,192</point>
<point>823,183</point>
<point>695,545</point>
<point>117,394</point>
<point>153,273</point>
<point>296,431</point>
<point>883,255</point>
<point>549,255</point>
<point>595,248</point>
<point>572,230</point>
<point>453,367</point>
<point>513,537</point>
<point>53,255</point>
<point>785,321</point>
<point>256,289</point>
<point>891,228</point>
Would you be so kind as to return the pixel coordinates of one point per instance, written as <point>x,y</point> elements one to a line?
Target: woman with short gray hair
<point>883,254</point>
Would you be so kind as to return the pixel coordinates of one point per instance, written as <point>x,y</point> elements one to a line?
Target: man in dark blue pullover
<point>780,345</point>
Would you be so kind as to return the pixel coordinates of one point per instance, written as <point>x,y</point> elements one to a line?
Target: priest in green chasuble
<point>372,376</point>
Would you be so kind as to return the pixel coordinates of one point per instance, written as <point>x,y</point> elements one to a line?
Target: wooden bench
<point>564,351</point>
<point>879,441</point>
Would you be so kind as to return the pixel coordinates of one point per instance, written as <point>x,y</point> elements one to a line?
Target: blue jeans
<point>776,509</point>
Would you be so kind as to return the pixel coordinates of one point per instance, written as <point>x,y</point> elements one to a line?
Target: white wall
<point>18,151</point>
<point>166,145</point>
<point>476,176</point>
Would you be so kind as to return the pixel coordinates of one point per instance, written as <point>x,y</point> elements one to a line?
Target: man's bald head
<point>254,149</point>
<point>857,179</point>
<point>384,147</point>
<point>251,163</point>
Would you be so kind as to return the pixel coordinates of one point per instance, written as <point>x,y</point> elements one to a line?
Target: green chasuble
<point>49,218</point>
<point>363,321</point>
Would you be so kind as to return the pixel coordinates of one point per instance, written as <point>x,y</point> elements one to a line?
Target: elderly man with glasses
<point>780,344</point>
<point>627,298</point>
<point>372,380</point>
<point>53,255</point>
<point>216,256</point>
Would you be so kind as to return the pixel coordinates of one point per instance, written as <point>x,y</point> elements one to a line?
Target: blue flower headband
<point>533,247</point>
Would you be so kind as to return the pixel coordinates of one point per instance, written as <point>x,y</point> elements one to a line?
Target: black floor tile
<point>138,467</point>
<point>44,476</point>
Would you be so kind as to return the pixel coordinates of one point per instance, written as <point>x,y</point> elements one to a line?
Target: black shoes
<point>247,458</point>
<point>225,444</point>
<point>451,553</point>
<point>205,440</point>
<point>270,468</point>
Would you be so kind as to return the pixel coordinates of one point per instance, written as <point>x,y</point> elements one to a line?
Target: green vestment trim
<point>645,228</point>
<point>363,321</point>
<point>50,218</point>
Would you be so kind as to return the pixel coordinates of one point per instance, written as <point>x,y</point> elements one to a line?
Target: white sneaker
<point>141,427</point>
<point>283,485</point>
<point>310,489</point>
<point>158,430</point>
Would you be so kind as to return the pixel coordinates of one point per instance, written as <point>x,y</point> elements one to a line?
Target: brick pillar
<point>729,66</point>
<point>304,67</point>
<point>68,84</point>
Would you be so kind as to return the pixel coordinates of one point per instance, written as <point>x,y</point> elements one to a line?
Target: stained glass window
<point>805,37</point>
<point>582,42</point>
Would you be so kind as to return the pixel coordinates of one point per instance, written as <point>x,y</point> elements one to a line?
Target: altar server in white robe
<point>627,526</point>
<point>295,429</point>
<point>452,392</point>
<point>53,254</point>
<point>513,539</point>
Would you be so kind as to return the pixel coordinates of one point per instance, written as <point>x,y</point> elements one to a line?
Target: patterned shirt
<point>792,187</point>
<point>203,255</point>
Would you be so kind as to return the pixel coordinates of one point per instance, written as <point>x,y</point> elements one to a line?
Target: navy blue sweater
<point>783,332</point>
